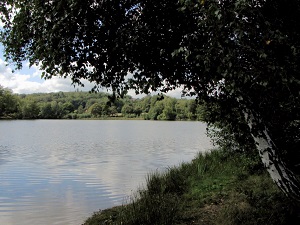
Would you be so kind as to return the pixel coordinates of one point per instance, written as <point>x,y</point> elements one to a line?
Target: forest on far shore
<point>85,105</point>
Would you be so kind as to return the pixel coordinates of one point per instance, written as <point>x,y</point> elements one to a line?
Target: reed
<point>215,188</point>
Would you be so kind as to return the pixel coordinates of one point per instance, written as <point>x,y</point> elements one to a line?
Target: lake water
<point>61,171</point>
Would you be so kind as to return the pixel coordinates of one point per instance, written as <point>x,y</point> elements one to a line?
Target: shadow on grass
<point>215,188</point>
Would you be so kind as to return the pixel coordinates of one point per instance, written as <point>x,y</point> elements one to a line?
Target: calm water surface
<point>61,171</point>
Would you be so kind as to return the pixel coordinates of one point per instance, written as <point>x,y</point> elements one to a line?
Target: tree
<point>29,109</point>
<point>56,108</point>
<point>169,112</point>
<point>46,111</point>
<point>127,109</point>
<point>145,103</point>
<point>240,57</point>
<point>113,111</point>
<point>156,110</point>
<point>181,109</point>
<point>96,109</point>
<point>68,107</point>
<point>8,103</point>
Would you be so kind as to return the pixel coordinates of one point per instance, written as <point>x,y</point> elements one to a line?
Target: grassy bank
<point>214,189</point>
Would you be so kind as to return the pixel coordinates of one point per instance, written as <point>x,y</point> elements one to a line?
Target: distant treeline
<point>81,105</point>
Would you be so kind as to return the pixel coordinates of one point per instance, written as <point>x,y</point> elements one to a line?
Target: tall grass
<point>215,188</point>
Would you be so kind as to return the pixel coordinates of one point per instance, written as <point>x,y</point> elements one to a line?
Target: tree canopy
<point>239,57</point>
<point>84,105</point>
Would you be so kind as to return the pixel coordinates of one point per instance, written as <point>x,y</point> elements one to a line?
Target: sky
<point>28,80</point>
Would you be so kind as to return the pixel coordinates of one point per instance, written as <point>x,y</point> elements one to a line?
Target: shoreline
<point>214,188</point>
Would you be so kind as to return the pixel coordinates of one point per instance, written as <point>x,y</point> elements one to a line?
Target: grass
<point>214,189</point>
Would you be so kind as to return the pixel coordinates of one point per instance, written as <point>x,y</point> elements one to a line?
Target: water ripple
<point>60,172</point>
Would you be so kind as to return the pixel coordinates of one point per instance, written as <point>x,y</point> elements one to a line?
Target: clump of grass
<point>159,202</point>
<point>215,188</point>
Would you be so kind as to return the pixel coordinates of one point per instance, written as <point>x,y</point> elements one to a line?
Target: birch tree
<point>242,56</point>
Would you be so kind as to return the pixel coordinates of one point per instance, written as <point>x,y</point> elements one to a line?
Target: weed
<point>213,189</point>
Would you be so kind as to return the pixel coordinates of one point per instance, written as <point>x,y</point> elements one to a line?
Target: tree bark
<point>283,177</point>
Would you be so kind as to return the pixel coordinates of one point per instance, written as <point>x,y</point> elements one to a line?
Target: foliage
<point>234,56</point>
<point>230,136</point>
<point>230,54</point>
<point>83,105</point>
<point>215,188</point>
<point>8,103</point>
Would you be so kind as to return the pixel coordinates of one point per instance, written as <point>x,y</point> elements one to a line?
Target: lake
<point>61,171</point>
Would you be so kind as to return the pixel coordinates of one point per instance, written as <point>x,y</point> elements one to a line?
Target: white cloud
<point>175,93</point>
<point>24,82</point>
<point>29,81</point>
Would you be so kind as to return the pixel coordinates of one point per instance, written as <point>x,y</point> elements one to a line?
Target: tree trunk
<point>284,178</point>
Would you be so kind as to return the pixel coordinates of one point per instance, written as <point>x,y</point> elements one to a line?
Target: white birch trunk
<point>284,178</point>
